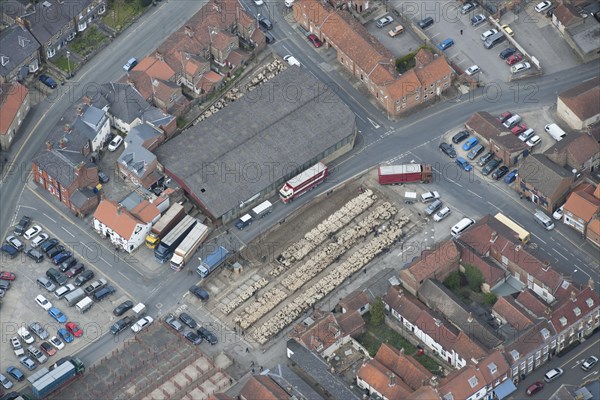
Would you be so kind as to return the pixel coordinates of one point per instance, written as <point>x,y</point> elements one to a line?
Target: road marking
<point>437,34</point>
<point>109,264</point>
<point>560,254</point>
<point>456,183</point>
<point>472,192</point>
<point>539,238</point>
<point>47,216</point>
<point>87,247</point>
<point>361,118</point>
<point>64,229</point>
<point>495,206</point>
<point>588,375</point>
<point>578,354</point>
<point>375,124</point>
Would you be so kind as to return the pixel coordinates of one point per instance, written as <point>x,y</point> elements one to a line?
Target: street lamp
<point>69,62</point>
<point>257,19</point>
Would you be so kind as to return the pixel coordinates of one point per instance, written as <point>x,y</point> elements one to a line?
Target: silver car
<point>39,330</point>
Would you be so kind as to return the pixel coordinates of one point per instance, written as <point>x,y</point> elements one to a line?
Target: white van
<point>139,309</point>
<point>544,220</point>
<point>555,131</point>
<point>461,226</point>
<point>553,374</point>
<point>84,305</point>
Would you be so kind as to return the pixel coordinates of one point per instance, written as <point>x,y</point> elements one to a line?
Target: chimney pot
<point>49,145</point>
<point>61,144</point>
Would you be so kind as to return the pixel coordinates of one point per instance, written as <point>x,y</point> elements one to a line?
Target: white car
<point>543,6</point>
<point>259,2</point>
<point>520,67</point>
<point>443,213</point>
<point>115,143</point>
<point>43,302</point>
<point>534,141</point>
<point>589,363</point>
<point>141,324</point>
<point>31,232</point>
<point>429,196</point>
<point>25,335</point>
<point>558,214</point>
<point>489,33</point>
<point>39,239</point>
<point>291,60</point>
<point>472,70</point>
<point>57,343</point>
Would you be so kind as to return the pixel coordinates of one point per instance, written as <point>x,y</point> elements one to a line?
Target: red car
<point>7,276</point>
<point>515,58</point>
<point>315,40</point>
<point>74,329</point>
<point>504,116</point>
<point>533,389</point>
<point>518,129</point>
<point>48,348</point>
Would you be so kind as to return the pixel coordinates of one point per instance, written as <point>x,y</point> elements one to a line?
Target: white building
<point>113,221</point>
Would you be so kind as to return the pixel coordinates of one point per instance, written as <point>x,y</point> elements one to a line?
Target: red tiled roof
<point>508,309</point>
<point>467,348</point>
<point>12,96</point>
<point>354,301</point>
<point>404,303</point>
<point>594,226</point>
<point>462,383</point>
<point>264,388</point>
<point>383,380</point>
<point>583,99</point>
<point>423,57</point>
<point>574,309</point>
<point>145,211</point>
<point>491,273</point>
<point>529,342</point>
<point>582,205</point>
<point>352,323</point>
<point>424,393</point>
<point>322,332</point>
<point>530,301</point>
<point>494,367</point>
<point>565,14</point>
<point>406,367</point>
<point>434,71</point>
<point>156,68</point>
<point>437,262</point>
<point>220,40</point>
<point>117,218</point>
<point>485,125</point>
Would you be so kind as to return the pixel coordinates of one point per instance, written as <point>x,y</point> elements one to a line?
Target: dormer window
<point>319,347</point>
<point>577,311</point>
<point>545,333</point>
<point>493,368</point>
<point>473,381</point>
<point>514,354</point>
<point>563,321</point>
<point>589,302</point>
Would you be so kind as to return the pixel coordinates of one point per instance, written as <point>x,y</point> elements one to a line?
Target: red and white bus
<point>303,182</point>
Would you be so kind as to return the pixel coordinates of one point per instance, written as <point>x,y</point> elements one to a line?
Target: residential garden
<point>122,12</point>
<point>88,41</point>
<point>467,286</point>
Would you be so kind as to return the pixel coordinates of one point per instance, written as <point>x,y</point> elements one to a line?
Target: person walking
<point>461,32</point>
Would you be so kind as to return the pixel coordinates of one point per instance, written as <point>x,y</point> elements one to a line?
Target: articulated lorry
<point>174,214</point>
<point>404,173</point>
<point>303,182</point>
<point>165,249</point>
<point>188,247</point>
<point>65,370</point>
<point>212,261</point>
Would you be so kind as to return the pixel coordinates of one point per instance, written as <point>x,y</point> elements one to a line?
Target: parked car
<point>64,290</point>
<point>469,144</point>
<point>173,323</point>
<point>36,354</point>
<point>472,70</point>
<point>46,80</point>
<point>120,325</point>
<point>15,373</point>
<point>534,141</point>
<point>512,121</point>
<point>265,23</point>
<point>475,151</point>
<point>75,270</point>
<point>464,164</point>
<point>31,232</point>
<point>429,196</point>
<point>42,281</point>
<point>509,51</point>
<point>22,225</point>
<point>60,257</point>
<point>484,159</point>
<point>65,335</point>
<point>443,213</point>
<point>15,343</point>
<point>291,60</point>
<point>28,362</point>
<point>193,337</point>
<point>39,239</point>
<point>39,330</point>
<point>488,33</point>
<point>5,382</point>
<point>67,264</point>
<point>84,277</point>
<point>460,136</point>
<point>57,315</point>
<point>589,363</point>
<point>188,320</point>
<point>515,58</point>
<point>57,343</point>
<point>129,65</point>
<point>35,255</point>
<point>500,172</point>
<point>56,276</point>
<point>142,324</point>
<point>49,245</point>
<point>526,135</point>
<point>199,292</point>
<point>123,308</point>
<point>381,22</point>
<point>14,242</point>
<point>448,149</point>
<point>43,302</point>
<point>55,251</point>
<point>478,19</point>
<point>543,6</point>
<point>48,349</point>
<point>7,276</point>
<point>433,207</point>
<point>446,44</point>
<point>102,177</point>
<point>534,388</point>
<point>207,335</point>
<point>74,329</point>
<point>115,143</point>
<point>520,67</point>
<point>518,129</point>
<point>510,178</point>
<point>558,214</point>
<point>396,31</point>
<point>425,23</point>
<point>492,165</point>
<point>4,285</point>
<point>508,30</point>
<point>467,7</point>
<point>314,40</point>
<point>9,250</point>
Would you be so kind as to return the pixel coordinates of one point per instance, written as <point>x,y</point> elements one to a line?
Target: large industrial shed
<point>244,153</point>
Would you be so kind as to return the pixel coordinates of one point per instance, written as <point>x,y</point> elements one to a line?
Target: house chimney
<point>546,266</point>
<point>79,169</point>
<point>48,145</point>
<point>79,110</point>
<point>119,209</point>
<point>392,380</point>
<point>494,237</point>
<point>67,128</point>
<point>61,144</point>
<point>87,100</point>
<point>401,350</point>
<point>573,296</point>
<point>470,318</point>
<point>189,31</point>
<point>160,56</point>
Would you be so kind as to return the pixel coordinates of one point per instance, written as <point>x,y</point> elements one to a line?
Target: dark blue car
<point>510,178</point>
<point>46,80</point>
<point>62,256</point>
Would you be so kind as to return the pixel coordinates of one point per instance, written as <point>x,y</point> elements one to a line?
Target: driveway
<point>399,45</point>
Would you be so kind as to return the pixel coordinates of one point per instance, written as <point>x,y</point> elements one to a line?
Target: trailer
<point>172,217</point>
<point>212,261</point>
<point>188,247</point>
<point>169,243</point>
<point>404,173</point>
<point>262,209</point>
<point>57,377</point>
<point>303,182</point>
<point>139,310</point>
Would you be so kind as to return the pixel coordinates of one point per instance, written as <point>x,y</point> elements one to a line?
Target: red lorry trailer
<point>303,182</point>
<point>404,173</point>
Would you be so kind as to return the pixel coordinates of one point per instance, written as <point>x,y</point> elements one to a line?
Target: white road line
<point>87,247</point>
<point>456,183</point>
<point>109,264</point>
<point>120,273</point>
<point>437,34</point>
<point>560,254</point>
<point>47,216</point>
<point>399,253</point>
<point>495,206</point>
<point>539,238</point>
<point>63,228</point>
<point>361,118</point>
<point>472,192</point>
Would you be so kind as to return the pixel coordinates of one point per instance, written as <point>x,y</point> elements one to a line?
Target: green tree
<point>489,298</point>
<point>474,278</point>
<point>378,312</point>
<point>452,282</point>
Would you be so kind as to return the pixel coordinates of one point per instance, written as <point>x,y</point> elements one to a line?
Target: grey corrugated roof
<point>17,45</point>
<point>543,174</point>
<point>264,136</point>
<point>286,378</point>
<point>131,201</point>
<point>316,369</point>
<point>437,297</point>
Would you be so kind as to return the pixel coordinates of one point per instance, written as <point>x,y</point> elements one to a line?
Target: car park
<point>314,40</point>
<point>543,6</point>
<point>7,276</point>
<point>508,30</point>
<point>57,315</point>
<point>49,245</point>
<point>512,121</point>
<point>448,149</point>
<point>43,302</point>
<point>74,329</point>
<point>500,172</point>
<point>488,33</point>
<point>486,158</point>
<point>5,382</point>
<point>429,196</point>
<point>39,239</point>
<point>558,214</point>
<point>469,144</point>
<point>441,214</point>
<point>518,129</point>
<point>534,388</point>
<point>67,264</point>
<point>36,354</point>
<point>142,324</point>
<point>520,67</point>
<point>57,343</point>
<point>48,349</point>
<point>475,151</point>
<point>22,225</point>
<point>207,335</point>
<point>526,135</point>
<point>396,31</point>
<point>84,277</point>
<point>199,292</point>
<point>123,308</point>
<point>28,363</point>
<point>384,21</point>
<point>48,81</point>
<point>75,270</point>
<point>467,7</point>
<point>460,136</point>
<point>4,285</point>
<point>478,19</point>
<point>31,232</point>
<point>193,337</point>
<point>55,251</point>
<point>425,23</point>
<point>15,373</point>
<point>492,165</point>
<point>39,330</point>
<point>446,44</point>
<point>291,60</point>
<point>65,335</point>
<point>56,276</point>
<point>173,323</point>
<point>433,207</point>
<point>534,141</point>
<point>15,343</point>
<point>510,178</point>
<point>515,58</point>
<point>265,23</point>
<point>14,242</point>
<point>62,256</point>
<point>46,284</point>
<point>120,325</point>
<point>64,290</point>
<point>589,363</point>
<point>464,164</point>
<point>131,63</point>
<point>9,250</point>
<point>115,143</point>
<point>507,52</point>
<point>188,320</point>
<point>472,70</point>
